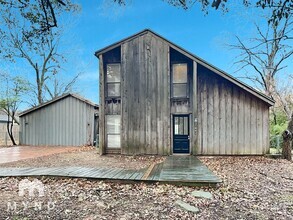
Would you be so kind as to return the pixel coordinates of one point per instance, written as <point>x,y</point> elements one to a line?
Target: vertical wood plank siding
<point>231,121</point>
<point>194,118</point>
<point>66,122</point>
<point>224,118</point>
<point>102,125</point>
<point>145,95</point>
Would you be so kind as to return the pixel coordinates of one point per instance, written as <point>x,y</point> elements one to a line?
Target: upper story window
<point>113,80</point>
<point>179,80</point>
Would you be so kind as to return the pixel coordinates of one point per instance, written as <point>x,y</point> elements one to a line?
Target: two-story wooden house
<point>157,98</point>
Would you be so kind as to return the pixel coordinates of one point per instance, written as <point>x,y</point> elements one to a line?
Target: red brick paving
<point>11,154</point>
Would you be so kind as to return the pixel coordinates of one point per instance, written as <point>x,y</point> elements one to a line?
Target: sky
<point>101,23</point>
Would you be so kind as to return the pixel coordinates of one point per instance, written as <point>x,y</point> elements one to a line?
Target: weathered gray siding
<point>185,106</point>
<point>230,120</point>
<point>145,96</point>
<point>102,125</point>
<point>226,116</point>
<point>68,122</point>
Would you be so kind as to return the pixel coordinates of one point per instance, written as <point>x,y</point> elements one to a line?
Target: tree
<point>288,141</point>
<point>32,40</point>
<point>264,57</point>
<point>44,60</point>
<point>280,8</point>
<point>284,96</point>
<point>60,87</point>
<point>41,13</point>
<point>13,89</point>
<point>47,18</point>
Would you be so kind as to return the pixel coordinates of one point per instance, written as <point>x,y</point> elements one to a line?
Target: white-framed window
<point>113,80</point>
<point>179,80</point>
<point>113,131</point>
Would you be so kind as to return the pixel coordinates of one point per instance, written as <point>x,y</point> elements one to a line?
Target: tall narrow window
<point>179,80</point>
<point>113,80</point>
<point>113,131</point>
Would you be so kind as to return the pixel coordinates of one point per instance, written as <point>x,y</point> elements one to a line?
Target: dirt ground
<point>253,188</point>
<point>87,157</point>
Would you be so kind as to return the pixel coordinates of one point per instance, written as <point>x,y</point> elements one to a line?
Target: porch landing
<point>182,170</point>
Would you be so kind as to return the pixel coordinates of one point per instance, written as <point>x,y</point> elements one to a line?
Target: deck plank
<point>113,173</point>
<point>106,172</point>
<point>175,169</point>
<point>155,174</point>
<point>137,174</point>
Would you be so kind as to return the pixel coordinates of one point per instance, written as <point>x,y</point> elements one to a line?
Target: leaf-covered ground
<point>253,188</point>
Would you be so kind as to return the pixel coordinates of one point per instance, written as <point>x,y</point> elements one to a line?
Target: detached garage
<point>68,120</point>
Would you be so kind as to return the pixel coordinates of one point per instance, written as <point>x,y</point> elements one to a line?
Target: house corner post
<point>101,107</point>
<point>194,111</point>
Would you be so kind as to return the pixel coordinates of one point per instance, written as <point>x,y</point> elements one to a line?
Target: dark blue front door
<point>181,134</point>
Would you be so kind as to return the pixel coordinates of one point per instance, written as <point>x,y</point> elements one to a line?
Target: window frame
<point>113,133</point>
<point>182,125</point>
<point>175,83</point>
<point>112,83</point>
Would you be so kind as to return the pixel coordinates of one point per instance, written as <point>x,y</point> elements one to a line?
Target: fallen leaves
<point>253,188</point>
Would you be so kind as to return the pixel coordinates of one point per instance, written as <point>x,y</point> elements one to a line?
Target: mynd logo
<point>32,187</point>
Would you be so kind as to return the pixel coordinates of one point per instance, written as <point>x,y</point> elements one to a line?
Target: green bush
<point>276,130</point>
<point>276,141</point>
<point>282,123</point>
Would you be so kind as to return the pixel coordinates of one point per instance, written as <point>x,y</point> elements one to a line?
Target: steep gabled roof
<point>197,59</point>
<point>56,100</point>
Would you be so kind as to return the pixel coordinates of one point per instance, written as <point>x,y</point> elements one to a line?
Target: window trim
<point>107,83</point>
<point>174,83</point>
<point>107,133</point>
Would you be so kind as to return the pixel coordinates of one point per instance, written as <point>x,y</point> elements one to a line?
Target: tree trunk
<point>287,141</point>
<point>10,132</point>
<point>286,152</point>
<point>40,91</point>
<point>274,116</point>
<point>39,84</point>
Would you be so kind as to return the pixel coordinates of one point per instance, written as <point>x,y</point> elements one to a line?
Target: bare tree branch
<point>265,58</point>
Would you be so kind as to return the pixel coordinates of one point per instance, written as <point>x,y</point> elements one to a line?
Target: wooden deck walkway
<point>185,170</point>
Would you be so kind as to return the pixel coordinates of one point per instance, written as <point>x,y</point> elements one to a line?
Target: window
<point>113,131</point>
<point>113,80</point>
<point>181,125</point>
<point>179,80</point>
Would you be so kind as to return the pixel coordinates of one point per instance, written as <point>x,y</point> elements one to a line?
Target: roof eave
<point>118,43</point>
<point>25,112</point>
